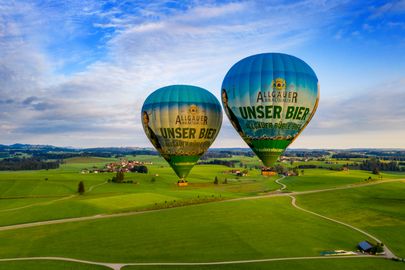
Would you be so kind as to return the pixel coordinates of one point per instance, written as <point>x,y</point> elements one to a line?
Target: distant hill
<point>57,152</point>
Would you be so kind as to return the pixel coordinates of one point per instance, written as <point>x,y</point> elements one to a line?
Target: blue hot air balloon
<point>269,99</point>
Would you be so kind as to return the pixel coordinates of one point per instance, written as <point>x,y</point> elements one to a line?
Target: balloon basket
<point>182,183</point>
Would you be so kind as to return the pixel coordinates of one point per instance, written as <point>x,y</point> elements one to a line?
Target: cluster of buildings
<point>122,165</point>
<point>272,172</point>
<point>286,159</point>
<point>237,172</point>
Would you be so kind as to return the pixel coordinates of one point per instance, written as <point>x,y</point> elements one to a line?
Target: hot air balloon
<point>181,121</point>
<point>269,99</point>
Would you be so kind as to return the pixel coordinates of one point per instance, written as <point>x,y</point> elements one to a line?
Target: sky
<point>75,73</point>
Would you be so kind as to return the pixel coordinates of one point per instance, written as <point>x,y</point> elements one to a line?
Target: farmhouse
<point>237,172</point>
<point>290,173</point>
<point>123,165</point>
<point>365,246</point>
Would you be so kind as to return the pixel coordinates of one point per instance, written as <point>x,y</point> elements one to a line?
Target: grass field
<point>377,209</point>
<point>236,230</point>
<point>321,178</point>
<point>28,196</point>
<point>59,265</point>
<point>330,264</point>
<point>201,231</point>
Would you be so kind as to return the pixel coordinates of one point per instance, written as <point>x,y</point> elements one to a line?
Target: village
<point>120,166</point>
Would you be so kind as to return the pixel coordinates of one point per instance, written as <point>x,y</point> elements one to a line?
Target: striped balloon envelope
<point>269,99</point>
<point>181,121</point>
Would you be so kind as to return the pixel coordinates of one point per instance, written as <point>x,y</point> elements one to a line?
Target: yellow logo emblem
<point>279,84</point>
<point>193,109</point>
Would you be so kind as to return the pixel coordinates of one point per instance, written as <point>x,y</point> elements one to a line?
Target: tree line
<point>374,164</point>
<point>17,164</point>
<point>228,163</point>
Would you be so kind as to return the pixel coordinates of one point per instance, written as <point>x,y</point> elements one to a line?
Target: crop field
<point>243,219</point>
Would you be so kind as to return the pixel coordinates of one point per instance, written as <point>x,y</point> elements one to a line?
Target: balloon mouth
<point>268,150</point>
<point>182,164</point>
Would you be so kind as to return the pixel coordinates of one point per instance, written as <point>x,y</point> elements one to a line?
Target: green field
<point>330,264</point>
<point>321,178</point>
<point>28,196</point>
<point>377,209</point>
<point>254,229</point>
<point>48,264</point>
<point>205,228</point>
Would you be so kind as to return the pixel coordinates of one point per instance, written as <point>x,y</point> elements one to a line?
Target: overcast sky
<point>76,73</point>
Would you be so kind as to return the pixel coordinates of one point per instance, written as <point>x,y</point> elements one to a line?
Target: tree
<point>119,177</point>
<point>280,169</point>
<point>80,188</point>
<point>140,169</point>
<point>226,181</point>
<point>216,180</point>
<point>302,172</point>
<point>378,248</point>
<point>376,171</point>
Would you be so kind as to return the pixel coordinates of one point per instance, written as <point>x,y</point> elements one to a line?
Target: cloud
<point>377,109</point>
<point>391,7</point>
<point>143,46</point>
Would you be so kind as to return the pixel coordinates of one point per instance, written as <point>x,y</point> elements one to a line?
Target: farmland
<point>242,218</point>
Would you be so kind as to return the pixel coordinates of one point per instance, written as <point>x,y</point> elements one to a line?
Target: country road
<point>283,186</point>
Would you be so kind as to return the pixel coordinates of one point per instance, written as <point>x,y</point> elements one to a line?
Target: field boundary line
<point>91,188</point>
<point>37,204</point>
<point>94,186</point>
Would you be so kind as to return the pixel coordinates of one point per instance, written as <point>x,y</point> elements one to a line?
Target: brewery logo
<point>192,116</point>
<point>193,109</point>
<point>279,84</point>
